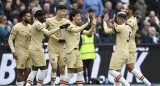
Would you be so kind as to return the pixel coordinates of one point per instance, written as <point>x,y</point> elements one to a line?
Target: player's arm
<point>78,29</point>
<point>57,39</point>
<point>54,37</point>
<point>48,33</point>
<point>10,42</point>
<point>106,28</point>
<point>90,31</point>
<point>42,29</point>
<point>130,23</point>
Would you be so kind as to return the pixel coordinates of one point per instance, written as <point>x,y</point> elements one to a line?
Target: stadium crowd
<point>147,14</point>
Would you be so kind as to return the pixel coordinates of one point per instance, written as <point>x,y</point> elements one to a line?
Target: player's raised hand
<point>88,19</point>
<point>113,19</point>
<point>15,55</point>
<point>94,21</point>
<point>105,19</point>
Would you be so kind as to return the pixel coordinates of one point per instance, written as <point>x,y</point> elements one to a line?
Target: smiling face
<point>77,18</point>
<point>62,13</point>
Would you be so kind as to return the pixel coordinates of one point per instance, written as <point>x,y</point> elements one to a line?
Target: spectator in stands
<point>141,6</point>
<point>105,38</point>
<point>46,8</point>
<point>138,33</point>
<point>145,30</point>
<point>5,27</point>
<point>118,8</point>
<point>80,4</point>
<point>8,11</point>
<point>152,13</point>
<point>15,21</point>
<point>16,5</point>
<point>153,23</point>
<point>111,12</point>
<point>153,5</point>
<point>1,11</point>
<point>52,6</point>
<point>37,4</point>
<point>64,2</point>
<point>94,4</point>
<point>74,6</point>
<point>140,24</point>
<point>22,7</point>
<point>152,37</point>
<point>114,3</point>
<point>31,6</point>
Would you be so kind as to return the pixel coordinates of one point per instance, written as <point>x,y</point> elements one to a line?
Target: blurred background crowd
<point>147,14</point>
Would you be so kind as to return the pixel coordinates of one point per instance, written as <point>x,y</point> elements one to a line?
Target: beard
<point>127,13</point>
<point>27,21</point>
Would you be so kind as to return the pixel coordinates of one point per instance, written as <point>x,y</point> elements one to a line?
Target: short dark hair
<point>61,7</point>
<point>122,15</point>
<point>73,14</point>
<point>132,7</point>
<point>23,13</point>
<point>39,13</point>
<point>74,2</point>
<point>91,10</point>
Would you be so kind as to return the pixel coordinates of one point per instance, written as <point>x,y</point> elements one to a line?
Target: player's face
<point>119,20</point>
<point>28,18</point>
<point>42,18</point>
<point>63,13</point>
<point>127,11</point>
<point>77,18</point>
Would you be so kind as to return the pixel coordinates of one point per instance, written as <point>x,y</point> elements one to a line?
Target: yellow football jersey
<point>22,35</point>
<point>133,22</point>
<point>51,24</point>
<point>37,35</point>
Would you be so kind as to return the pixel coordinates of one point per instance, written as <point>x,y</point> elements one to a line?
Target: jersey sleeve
<point>14,31</point>
<point>40,26</point>
<point>131,23</point>
<point>47,22</point>
<point>117,28</point>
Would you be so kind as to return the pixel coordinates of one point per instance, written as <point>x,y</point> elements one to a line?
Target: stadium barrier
<point>148,62</point>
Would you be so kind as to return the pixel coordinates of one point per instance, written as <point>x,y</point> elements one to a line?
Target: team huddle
<point>63,45</point>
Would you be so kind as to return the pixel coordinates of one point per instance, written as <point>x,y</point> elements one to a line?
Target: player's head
<point>91,12</point>
<point>25,16</point>
<point>40,15</point>
<point>75,16</point>
<point>61,11</point>
<point>130,9</point>
<point>121,17</point>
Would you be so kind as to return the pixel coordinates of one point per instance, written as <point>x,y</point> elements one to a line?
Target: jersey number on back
<point>129,37</point>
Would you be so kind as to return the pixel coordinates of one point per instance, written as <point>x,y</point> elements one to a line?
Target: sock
<point>80,78</point>
<point>68,77</point>
<point>41,77</point>
<point>118,77</point>
<point>20,83</point>
<point>31,77</point>
<point>53,78</point>
<point>23,82</point>
<point>62,78</point>
<point>117,83</point>
<point>140,76</point>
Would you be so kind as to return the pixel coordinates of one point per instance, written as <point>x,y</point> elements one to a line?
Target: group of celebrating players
<point>63,45</point>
